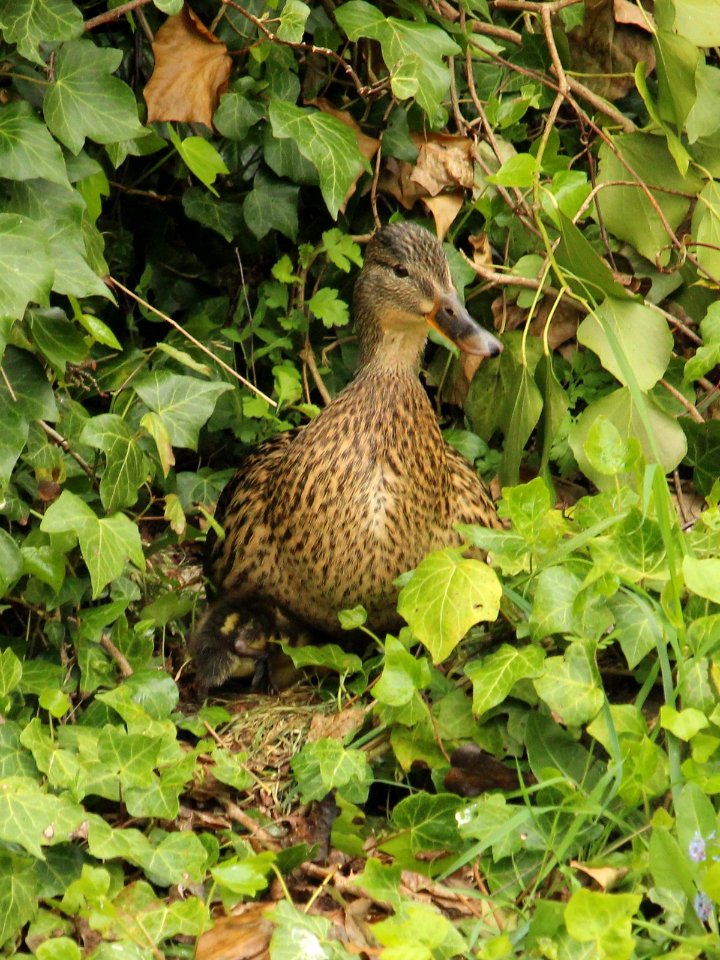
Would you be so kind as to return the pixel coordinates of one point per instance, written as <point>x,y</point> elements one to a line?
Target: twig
<point>680,497</point>
<point>62,442</point>
<point>123,666</point>
<point>115,14</point>
<point>600,104</point>
<point>193,340</point>
<point>256,831</point>
<point>307,355</point>
<point>691,409</point>
<point>362,89</point>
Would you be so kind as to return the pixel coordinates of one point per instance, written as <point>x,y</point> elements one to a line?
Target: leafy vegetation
<point>183,201</point>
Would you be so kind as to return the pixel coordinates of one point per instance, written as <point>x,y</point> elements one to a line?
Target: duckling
<point>327,516</point>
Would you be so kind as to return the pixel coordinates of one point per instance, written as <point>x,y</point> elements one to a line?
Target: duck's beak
<point>452,320</point>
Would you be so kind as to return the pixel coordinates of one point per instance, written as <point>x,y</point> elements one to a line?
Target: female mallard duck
<point>326,517</point>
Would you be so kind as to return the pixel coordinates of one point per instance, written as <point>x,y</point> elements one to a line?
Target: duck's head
<point>404,286</point>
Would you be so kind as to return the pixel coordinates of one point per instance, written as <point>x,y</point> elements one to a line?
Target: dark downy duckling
<point>327,516</point>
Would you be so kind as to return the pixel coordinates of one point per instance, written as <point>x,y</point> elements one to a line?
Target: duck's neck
<point>390,351</point>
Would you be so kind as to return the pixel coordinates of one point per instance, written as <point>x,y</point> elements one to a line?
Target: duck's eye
<point>400,271</point>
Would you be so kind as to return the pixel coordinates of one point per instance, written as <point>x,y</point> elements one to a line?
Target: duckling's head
<point>405,285</point>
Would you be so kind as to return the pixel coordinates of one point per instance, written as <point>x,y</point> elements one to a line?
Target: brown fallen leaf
<point>563,326</point>
<point>337,725</point>
<point>605,877</point>
<point>444,208</point>
<point>192,68</point>
<point>243,936</point>
<point>443,162</point>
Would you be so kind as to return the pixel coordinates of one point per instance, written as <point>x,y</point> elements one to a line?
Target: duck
<point>327,516</point>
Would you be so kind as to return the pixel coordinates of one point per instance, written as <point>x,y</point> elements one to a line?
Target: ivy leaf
<point>105,543</point>
<point>271,205</point>
<point>85,101</point>
<point>626,211</point>
<point>28,23</point>
<point>26,270</point>
<point>27,151</point>
<point>235,115</point>
<point>33,819</point>
<point>292,21</point>
<point>494,676</point>
<point>327,142</point>
<point>60,213</point>
<point>642,336</point>
<point>413,52</point>
<point>326,765</point>
<point>219,215</point>
<point>703,577</point>
<point>570,686</point>
<point>703,440</point>
<point>127,466</point>
<point>327,306</point>
<point>201,158</point>
<point>57,339</point>
<point>183,403</point>
<point>19,890</point>
<point>445,596</point>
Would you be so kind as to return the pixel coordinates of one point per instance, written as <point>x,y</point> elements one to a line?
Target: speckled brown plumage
<point>329,515</point>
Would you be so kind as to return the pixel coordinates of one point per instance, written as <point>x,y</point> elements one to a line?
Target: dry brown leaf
<point>337,725</point>
<point>605,877</point>
<point>563,326</point>
<point>192,68</point>
<point>443,162</point>
<point>631,13</point>
<point>482,251</point>
<point>444,209</point>
<point>243,936</point>
<point>608,51</point>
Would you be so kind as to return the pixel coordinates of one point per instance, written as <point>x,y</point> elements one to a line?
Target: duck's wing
<point>471,500</point>
<point>243,498</point>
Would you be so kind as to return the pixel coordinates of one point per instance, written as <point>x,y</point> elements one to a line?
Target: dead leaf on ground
<point>605,877</point>
<point>192,68</point>
<point>243,936</point>
<point>336,725</point>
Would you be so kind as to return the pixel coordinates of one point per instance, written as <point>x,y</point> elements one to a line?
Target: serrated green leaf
<point>446,595</point>
<point>126,465</point>
<point>183,403</point>
<point>494,676</point>
<point>28,24</point>
<point>327,142</point>
<point>85,101</point>
<point>27,151</point>
<point>328,307</point>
